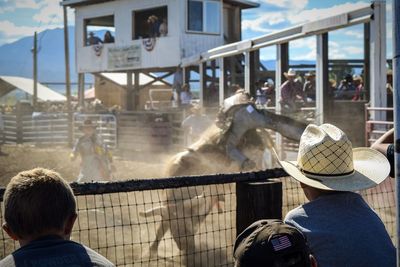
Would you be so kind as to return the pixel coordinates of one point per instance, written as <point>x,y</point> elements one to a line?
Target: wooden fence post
<point>258,200</point>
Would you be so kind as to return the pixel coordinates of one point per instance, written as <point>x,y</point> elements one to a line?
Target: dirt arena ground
<point>25,157</point>
<point>111,223</point>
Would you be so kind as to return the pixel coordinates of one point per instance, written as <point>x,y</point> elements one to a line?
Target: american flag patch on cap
<point>281,242</point>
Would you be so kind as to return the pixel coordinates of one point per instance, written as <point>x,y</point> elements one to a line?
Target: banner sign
<point>125,57</point>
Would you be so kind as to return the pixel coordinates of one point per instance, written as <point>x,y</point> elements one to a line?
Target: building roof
<point>243,3</point>
<point>10,83</point>
<point>74,3</point>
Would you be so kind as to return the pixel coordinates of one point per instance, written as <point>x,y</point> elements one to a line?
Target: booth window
<point>204,16</point>
<point>99,30</point>
<point>150,23</point>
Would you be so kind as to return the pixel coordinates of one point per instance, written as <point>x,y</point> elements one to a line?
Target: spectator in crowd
<point>96,159</point>
<point>186,95</point>
<point>108,38</point>
<point>163,30</point>
<point>93,40</point>
<point>342,230</point>
<point>195,124</point>
<point>39,213</point>
<point>271,243</point>
<point>154,26</point>
<point>358,88</point>
<point>261,94</point>
<point>177,86</point>
<point>309,87</point>
<point>385,145</point>
<point>389,87</point>
<point>269,87</point>
<point>346,89</point>
<point>291,92</point>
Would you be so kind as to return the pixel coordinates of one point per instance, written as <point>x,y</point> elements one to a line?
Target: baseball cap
<point>271,243</point>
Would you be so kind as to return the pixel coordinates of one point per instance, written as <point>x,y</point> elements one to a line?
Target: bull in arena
<point>236,142</point>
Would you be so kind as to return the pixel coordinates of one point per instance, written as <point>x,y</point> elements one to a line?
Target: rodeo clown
<point>238,115</point>
<point>95,158</point>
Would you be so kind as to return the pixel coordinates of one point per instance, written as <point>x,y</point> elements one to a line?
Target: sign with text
<point>125,57</point>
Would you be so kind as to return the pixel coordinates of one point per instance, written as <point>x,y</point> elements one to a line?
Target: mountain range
<point>16,58</point>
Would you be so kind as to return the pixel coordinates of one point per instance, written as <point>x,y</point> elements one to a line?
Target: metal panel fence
<point>52,128</point>
<point>376,128</point>
<point>111,217</point>
<point>106,127</point>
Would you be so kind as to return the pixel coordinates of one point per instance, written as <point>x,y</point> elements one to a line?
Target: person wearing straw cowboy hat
<point>342,230</point>
<point>291,91</point>
<point>309,87</point>
<point>95,157</point>
<point>359,88</point>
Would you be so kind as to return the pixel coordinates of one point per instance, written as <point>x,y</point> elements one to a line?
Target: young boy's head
<point>37,203</point>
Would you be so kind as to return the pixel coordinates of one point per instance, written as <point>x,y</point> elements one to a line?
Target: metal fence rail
<point>52,128</point>
<point>376,128</point>
<point>111,217</point>
<point>106,127</point>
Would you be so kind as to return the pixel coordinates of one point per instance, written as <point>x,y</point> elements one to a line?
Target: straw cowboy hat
<point>357,78</point>
<point>326,160</point>
<point>290,73</point>
<point>87,124</point>
<point>309,74</point>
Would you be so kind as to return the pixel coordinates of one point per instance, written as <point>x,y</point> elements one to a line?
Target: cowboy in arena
<point>96,159</point>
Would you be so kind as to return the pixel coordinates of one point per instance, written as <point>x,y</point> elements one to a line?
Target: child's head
<point>38,202</point>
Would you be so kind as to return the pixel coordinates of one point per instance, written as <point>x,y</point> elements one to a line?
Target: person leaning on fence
<point>96,159</point>
<point>341,229</point>
<point>270,243</point>
<point>39,213</point>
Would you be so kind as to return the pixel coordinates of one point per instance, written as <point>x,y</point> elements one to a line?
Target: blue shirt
<point>342,230</point>
<point>54,251</point>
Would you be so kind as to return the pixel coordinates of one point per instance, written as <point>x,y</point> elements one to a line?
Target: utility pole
<point>67,76</point>
<point>34,51</point>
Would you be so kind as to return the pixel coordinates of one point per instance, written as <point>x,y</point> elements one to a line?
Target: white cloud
<point>355,34</point>
<point>5,9</point>
<point>353,50</point>
<point>289,4</point>
<point>27,4</point>
<point>304,49</point>
<point>12,32</point>
<point>259,24</point>
<point>51,12</point>
<point>10,6</point>
<point>294,13</point>
<point>315,14</point>
<point>333,44</point>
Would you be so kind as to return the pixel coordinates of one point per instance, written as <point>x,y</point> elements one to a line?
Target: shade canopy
<point>10,83</point>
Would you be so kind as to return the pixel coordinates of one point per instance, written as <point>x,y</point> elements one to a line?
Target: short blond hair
<point>37,201</point>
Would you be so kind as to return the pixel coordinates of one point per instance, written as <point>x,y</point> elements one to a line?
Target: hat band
<point>324,174</point>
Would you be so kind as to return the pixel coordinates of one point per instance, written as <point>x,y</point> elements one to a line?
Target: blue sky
<point>20,18</point>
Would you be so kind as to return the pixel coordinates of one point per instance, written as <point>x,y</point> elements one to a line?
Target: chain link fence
<point>183,221</point>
